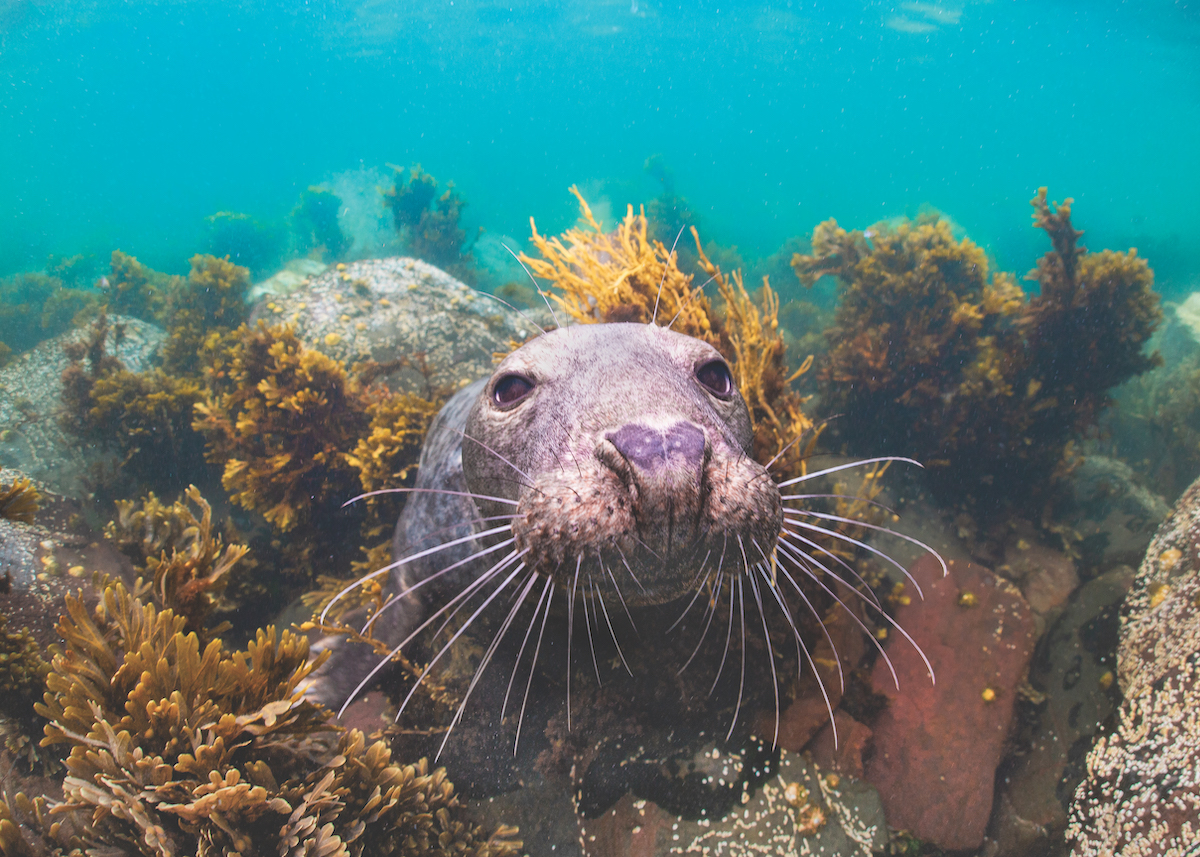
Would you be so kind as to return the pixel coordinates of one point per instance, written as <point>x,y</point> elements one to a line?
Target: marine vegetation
<point>316,224</point>
<point>133,289</point>
<point>23,674</point>
<point>202,311</point>
<point>625,275</point>
<point>19,500</point>
<point>74,271</point>
<point>35,307</point>
<point>282,423</point>
<point>180,748</point>
<point>191,577</point>
<point>934,357</point>
<point>145,416</point>
<point>248,242</point>
<point>429,221</point>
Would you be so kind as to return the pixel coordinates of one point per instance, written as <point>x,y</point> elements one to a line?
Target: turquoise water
<point>126,124</point>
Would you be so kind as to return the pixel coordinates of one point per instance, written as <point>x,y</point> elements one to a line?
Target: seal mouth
<point>652,509</point>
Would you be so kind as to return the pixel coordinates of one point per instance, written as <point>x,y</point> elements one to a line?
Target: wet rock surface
<point>1114,515</point>
<point>1073,672</point>
<point>799,809</point>
<point>937,746</point>
<point>1142,791</point>
<point>429,330</point>
<point>32,439</point>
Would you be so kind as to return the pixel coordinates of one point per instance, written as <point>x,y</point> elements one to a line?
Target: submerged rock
<point>428,331</point>
<point>1142,791</point>
<point>1114,514</point>
<point>937,746</point>
<point>33,440</point>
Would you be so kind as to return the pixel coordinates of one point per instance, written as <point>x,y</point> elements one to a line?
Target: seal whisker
<point>570,633</point>
<point>466,593</point>
<point>529,479</point>
<point>686,610</point>
<point>683,304</point>
<point>458,633</point>
<point>517,310</point>
<point>767,636</point>
<point>630,570</point>
<point>487,658</point>
<point>532,667</point>
<point>859,463</point>
<point>533,664</point>
<point>728,637</point>
<point>870,593</point>
<point>524,642</point>
<point>816,615</point>
<point>612,631</point>
<point>400,595</point>
<point>852,497</point>
<point>541,293</point>
<point>825,516</point>
<point>666,267</point>
<point>710,611</point>
<point>737,707</point>
<point>400,562</point>
<point>882,613</point>
<point>470,494</point>
<point>620,597</point>
<point>808,656</point>
<point>588,624</point>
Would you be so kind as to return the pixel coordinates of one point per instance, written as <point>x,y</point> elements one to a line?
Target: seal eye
<point>511,389</point>
<point>714,375</point>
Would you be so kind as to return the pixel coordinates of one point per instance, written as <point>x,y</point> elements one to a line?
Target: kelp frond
<point>19,500</point>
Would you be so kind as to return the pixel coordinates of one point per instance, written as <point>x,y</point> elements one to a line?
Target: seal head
<point>626,448</point>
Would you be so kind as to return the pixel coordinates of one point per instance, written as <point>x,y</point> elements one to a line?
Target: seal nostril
<point>649,449</point>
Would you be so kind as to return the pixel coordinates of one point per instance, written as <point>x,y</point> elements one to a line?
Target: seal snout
<point>649,450</point>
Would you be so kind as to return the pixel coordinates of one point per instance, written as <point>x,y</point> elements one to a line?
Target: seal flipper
<point>430,517</point>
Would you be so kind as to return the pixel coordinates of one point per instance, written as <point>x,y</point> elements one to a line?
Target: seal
<point>610,463</point>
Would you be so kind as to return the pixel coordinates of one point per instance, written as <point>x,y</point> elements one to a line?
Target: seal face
<point>626,450</point>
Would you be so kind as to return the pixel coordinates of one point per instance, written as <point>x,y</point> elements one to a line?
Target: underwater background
<point>244,251</point>
<point>126,124</point>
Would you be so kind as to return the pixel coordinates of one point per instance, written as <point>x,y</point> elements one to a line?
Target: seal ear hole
<point>716,378</point>
<point>511,389</point>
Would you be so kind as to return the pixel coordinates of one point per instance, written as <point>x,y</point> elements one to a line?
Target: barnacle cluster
<point>935,357</point>
<point>19,500</point>
<point>624,275</point>
<point>179,748</point>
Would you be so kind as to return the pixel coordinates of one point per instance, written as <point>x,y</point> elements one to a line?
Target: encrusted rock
<point>32,439</point>
<point>937,745</point>
<point>799,810</point>
<point>1074,678</point>
<point>1142,792</point>
<point>439,333</point>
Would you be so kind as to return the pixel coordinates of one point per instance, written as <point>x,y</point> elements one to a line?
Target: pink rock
<point>846,756</point>
<point>937,745</point>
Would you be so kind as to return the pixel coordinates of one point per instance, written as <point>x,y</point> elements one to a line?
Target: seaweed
<point>191,577</point>
<point>934,357</point>
<point>206,308</point>
<point>146,417</point>
<point>433,233</point>
<point>133,289</point>
<point>282,423</point>
<point>387,455</point>
<point>316,220</point>
<point>250,243</point>
<point>23,673</point>
<point>19,500</point>
<point>179,748</point>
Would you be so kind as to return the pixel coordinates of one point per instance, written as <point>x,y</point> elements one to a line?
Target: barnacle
<point>935,357</point>
<point>176,748</point>
<point>19,500</point>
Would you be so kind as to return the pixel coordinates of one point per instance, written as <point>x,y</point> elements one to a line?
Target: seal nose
<point>649,450</point>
